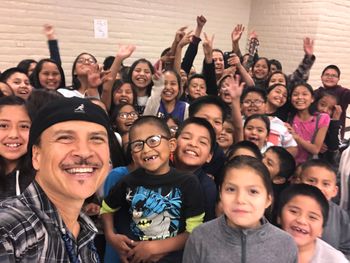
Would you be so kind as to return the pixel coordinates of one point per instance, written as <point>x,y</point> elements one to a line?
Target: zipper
<point>244,247</point>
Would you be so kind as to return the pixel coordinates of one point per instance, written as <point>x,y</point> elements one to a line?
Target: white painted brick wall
<point>282,24</point>
<point>150,25</point>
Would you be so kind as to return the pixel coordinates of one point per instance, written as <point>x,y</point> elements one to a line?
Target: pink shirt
<point>306,129</point>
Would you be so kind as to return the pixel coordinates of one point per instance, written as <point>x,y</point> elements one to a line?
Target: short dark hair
<point>332,67</point>
<point>201,122</point>
<point>250,162</point>
<point>318,163</point>
<point>196,76</point>
<point>199,103</point>
<point>304,190</point>
<point>9,72</point>
<point>25,64</point>
<point>107,63</point>
<point>248,90</point>
<point>158,122</point>
<point>248,145</point>
<point>286,160</point>
<point>276,63</point>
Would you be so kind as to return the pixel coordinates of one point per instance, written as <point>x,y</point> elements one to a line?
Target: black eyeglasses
<point>125,115</point>
<point>152,142</point>
<point>86,61</point>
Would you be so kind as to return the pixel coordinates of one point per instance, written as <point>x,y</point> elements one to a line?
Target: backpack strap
<point>318,116</point>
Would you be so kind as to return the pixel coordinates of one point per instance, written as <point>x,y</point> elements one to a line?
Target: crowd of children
<point>237,163</point>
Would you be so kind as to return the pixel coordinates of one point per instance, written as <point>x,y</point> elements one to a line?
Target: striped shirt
<point>31,230</point>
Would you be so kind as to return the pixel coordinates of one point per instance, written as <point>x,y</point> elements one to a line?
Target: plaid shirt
<point>31,231</point>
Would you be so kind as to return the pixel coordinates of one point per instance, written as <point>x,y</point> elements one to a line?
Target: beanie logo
<point>79,109</point>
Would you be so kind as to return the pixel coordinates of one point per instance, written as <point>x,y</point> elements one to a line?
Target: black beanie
<point>66,109</point>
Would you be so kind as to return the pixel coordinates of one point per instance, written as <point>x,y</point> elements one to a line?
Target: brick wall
<point>281,26</point>
<point>150,25</point>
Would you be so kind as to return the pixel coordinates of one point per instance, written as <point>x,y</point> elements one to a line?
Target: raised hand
<point>201,20</point>
<point>158,71</point>
<point>253,34</point>
<point>234,60</point>
<point>49,31</point>
<point>208,44</point>
<point>336,112</point>
<point>237,33</point>
<point>308,46</point>
<point>125,51</point>
<point>234,88</point>
<point>186,39</point>
<point>180,33</point>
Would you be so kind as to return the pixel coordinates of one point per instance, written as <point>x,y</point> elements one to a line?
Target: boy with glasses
<point>163,205</point>
<point>330,78</point>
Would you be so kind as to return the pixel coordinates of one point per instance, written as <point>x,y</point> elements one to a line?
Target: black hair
<point>118,84</point>
<point>318,163</point>
<point>9,72</point>
<point>25,65</point>
<point>286,161</point>
<point>165,51</point>
<point>117,109</point>
<point>154,121</point>
<point>262,117</point>
<point>272,87</point>
<point>199,103</point>
<point>75,81</point>
<point>248,145</point>
<point>34,78</point>
<point>304,190</point>
<point>201,122</point>
<point>293,111</point>
<point>195,76</point>
<point>23,163</point>
<point>132,68</point>
<point>40,98</point>
<point>276,63</point>
<point>248,90</point>
<point>259,168</point>
<point>267,62</point>
<point>218,50</point>
<point>332,67</point>
<point>107,63</point>
<point>178,80</point>
<point>275,73</point>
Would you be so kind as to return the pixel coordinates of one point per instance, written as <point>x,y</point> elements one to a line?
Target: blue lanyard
<point>73,257</point>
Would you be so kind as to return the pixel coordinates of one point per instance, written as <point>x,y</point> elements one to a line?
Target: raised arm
<point>235,89</point>
<point>192,49</point>
<point>124,52</point>
<point>185,40</point>
<point>303,71</point>
<point>208,66</point>
<point>235,37</point>
<point>236,63</point>
<point>52,42</point>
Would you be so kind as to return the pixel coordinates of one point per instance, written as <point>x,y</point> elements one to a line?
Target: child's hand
<point>92,209</point>
<point>324,148</point>
<point>237,33</point>
<point>122,244</point>
<point>336,112</point>
<point>125,51</point>
<point>291,130</point>
<point>308,45</point>
<point>49,32</point>
<point>145,251</point>
<point>158,71</point>
<point>186,39</point>
<point>208,45</point>
<point>231,84</point>
<point>201,20</point>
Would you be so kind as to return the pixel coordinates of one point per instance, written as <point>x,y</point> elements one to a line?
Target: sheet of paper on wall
<point>101,28</point>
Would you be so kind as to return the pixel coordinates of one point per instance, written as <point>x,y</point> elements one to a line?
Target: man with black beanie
<point>69,146</point>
